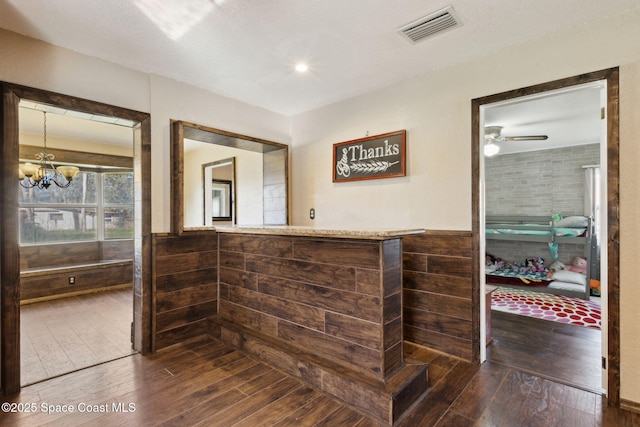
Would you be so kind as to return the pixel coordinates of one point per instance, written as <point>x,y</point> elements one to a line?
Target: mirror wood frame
<point>179,131</point>
<point>613,211</point>
<point>9,239</point>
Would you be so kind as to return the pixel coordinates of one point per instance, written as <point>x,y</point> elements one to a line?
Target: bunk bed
<point>552,230</point>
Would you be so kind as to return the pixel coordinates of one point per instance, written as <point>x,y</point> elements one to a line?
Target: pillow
<point>566,286</point>
<point>570,276</point>
<point>573,221</point>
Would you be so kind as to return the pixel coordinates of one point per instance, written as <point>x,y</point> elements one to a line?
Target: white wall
<point>435,109</point>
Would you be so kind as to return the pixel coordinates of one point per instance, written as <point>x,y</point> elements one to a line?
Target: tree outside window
<point>96,206</point>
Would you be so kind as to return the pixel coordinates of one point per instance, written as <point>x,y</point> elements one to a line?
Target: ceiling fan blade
<point>525,138</point>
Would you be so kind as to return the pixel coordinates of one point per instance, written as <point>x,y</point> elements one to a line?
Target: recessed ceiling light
<point>302,68</point>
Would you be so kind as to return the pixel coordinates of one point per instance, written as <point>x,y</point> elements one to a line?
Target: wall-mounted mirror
<point>255,190</point>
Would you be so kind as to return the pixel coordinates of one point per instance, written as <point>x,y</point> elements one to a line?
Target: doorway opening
<point>102,225</point>
<point>538,180</point>
<point>76,242</point>
<point>604,83</point>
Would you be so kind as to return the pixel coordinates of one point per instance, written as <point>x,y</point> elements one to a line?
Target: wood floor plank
<point>544,407</point>
<point>310,414</point>
<point>175,394</point>
<point>247,406</point>
<point>52,356</point>
<point>206,399</point>
<point>441,395</point>
<point>163,406</point>
<point>451,419</point>
<point>271,414</point>
<point>343,416</point>
<point>474,398</point>
<point>95,340</point>
<point>75,349</point>
<point>260,383</point>
<point>564,353</point>
<point>207,410</point>
<point>33,369</point>
<point>204,382</point>
<point>73,333</point>
<point>367,422</point>
<point>506,405</point>
<point>201,363</point>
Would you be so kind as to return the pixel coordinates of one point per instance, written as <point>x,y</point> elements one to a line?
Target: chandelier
<point>44,173</point>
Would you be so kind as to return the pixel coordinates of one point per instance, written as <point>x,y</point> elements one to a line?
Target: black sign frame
<point>373,157</point>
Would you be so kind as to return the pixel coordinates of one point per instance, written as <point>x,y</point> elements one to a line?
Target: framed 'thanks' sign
<point>373,157</point>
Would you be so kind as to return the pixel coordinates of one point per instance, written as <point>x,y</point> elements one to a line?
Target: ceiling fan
<point>493,134</point>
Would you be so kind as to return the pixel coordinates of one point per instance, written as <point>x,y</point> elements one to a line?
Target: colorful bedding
<point>517,281</point>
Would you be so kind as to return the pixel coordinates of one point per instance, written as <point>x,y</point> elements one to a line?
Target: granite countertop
<point>289,230</point>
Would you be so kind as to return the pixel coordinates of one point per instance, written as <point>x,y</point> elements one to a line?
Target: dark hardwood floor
<point>203,382</point>
<point>564,353</point>
<point>63,335</point>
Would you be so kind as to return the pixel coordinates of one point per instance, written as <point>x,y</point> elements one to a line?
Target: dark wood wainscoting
<point>185,279</point>
<point>93,265</point>
<point>323,309</point>
<point>437,306</point>
<point>437,291</point>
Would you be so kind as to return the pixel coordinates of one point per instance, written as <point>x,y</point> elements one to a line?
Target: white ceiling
<point>570,116</point>
<point>247,49</point>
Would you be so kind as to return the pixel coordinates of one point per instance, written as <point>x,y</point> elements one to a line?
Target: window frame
<point>99,206</point>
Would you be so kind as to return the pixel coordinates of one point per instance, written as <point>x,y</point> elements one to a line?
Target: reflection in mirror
<point>219,192</point>
<point>220,200</point>
<point>256,169</point>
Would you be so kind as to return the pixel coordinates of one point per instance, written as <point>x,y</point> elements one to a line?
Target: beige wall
<point>33,63</point>
<point>175,100</point>
<point>249,182</point>
<point>434,108</point>
<point>84,146</point>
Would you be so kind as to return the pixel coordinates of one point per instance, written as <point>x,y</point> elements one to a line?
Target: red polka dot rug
<point>556,308</point>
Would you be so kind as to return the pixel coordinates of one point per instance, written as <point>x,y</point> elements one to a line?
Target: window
<point>117,205</point>
<point>96,206</point>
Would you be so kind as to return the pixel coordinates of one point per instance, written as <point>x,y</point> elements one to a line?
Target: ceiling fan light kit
<point>493,135</point>
<point>491,149</point>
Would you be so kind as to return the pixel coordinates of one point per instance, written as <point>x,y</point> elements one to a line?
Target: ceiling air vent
<point>429,25</point>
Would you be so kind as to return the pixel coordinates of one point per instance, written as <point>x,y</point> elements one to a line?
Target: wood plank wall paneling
<point>66,254</point>
<point>265,279</point>
<point>326,310</point>
<point>55,282</point>
<point>116,249</point>
<point>437,291</point>
<point>185,278</point>
<point>321,294</point>
<point>45,269</point>
<point>38,256</point>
